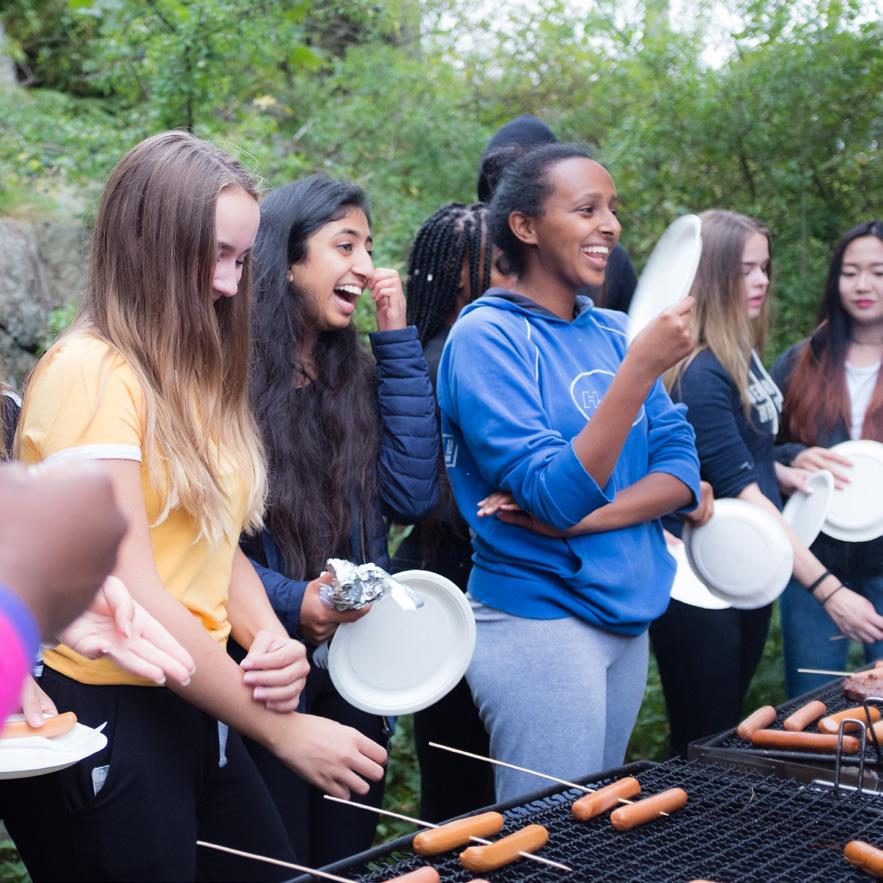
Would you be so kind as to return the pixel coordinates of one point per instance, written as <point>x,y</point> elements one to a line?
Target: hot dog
<point>52,726</point>
<point>786,741</point>
<point>605,798</point>
<point>804,716</point>
<point>648,809</point>
<point>864,856</point>
<point>457,833</point>
<point>759,719</point>
<point>831,723</point>
<point>421,875</point>
<point>481,859</point>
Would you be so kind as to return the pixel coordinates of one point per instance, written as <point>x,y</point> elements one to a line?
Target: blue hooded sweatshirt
<point>515,385</point>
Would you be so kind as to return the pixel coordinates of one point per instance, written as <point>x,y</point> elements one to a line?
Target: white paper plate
<point>32,756</point>
<point>742,554</point>
<point>856,511</point>
<point>687,587</point>
<point>668,273</point>
<point>806,512</point>
<point>395,661</point>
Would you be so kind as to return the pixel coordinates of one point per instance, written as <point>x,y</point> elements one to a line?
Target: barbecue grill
<point>735,827</point>
<point>729,749</point>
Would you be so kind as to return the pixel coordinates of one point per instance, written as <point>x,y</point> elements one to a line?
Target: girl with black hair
<point>833,392</point>
<point>449,265</point>
<point>541,400</point>
<point>350,440</point>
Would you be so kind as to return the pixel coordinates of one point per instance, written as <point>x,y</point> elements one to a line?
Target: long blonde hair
<point>149,297</point>
<point>720,320</point>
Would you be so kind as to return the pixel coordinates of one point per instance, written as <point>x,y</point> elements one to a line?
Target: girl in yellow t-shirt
<point>151,379</point>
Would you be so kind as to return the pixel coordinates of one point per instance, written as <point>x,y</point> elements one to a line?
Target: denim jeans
<point>807,631</point>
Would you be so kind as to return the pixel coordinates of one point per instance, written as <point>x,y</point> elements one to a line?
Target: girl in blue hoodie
<point>541,399</point>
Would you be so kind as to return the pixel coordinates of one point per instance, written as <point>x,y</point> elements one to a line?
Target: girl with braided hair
<point>449,265</point>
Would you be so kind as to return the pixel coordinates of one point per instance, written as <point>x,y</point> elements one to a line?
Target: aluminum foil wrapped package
<point>355,585</point>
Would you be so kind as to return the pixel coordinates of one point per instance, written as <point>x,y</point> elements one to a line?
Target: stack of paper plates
<point>394,661</point>
<point>742,554</point>
<point>806,512</point>
<point>856,511</point>
<point>668,274</point>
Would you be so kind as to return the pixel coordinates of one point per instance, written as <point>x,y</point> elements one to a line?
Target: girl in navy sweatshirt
<point>734,406</point>
<point>540,400</point>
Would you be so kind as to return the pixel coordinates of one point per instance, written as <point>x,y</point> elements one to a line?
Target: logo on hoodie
<point>587,390</point>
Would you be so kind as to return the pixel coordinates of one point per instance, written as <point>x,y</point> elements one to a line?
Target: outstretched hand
<point>116,625</point>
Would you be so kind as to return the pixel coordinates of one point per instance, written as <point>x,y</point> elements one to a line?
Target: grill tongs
<point>864,727</point>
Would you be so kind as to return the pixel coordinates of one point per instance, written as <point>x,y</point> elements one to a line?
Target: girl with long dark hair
<point>350,440</point>
<point>450,263</point>
<point>542,400</point>
<point>734,407</point>
<point>833,390</point>
<point>152,380</point>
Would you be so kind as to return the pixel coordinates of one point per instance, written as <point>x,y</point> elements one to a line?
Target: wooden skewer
<point>522,769</point>
<point>422,824</point>
<point>274,861</point>
<point>825,671</point>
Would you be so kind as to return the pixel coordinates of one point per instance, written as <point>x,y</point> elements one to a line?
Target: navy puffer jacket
<point>407,468</point>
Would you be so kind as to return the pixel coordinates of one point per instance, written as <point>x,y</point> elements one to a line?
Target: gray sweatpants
<point>557,695</point>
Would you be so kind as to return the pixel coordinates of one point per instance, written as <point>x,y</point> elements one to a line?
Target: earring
<point>290,277</point>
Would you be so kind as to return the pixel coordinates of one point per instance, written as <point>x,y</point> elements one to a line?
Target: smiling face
<point>861,280</point>
<point>236,224</point>
<point>578,227</point>
<point>755,273</point>
<point>336,270</point>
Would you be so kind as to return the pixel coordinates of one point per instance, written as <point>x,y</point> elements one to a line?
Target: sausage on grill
<point>605,798</point>
<point>786,741</point>
<point>804,716</point>
<point>481,859</point>
<point>831,723</point>
<point>457,833</point>
<point>864,856</point>
<point>763,717</point>
<point>421,875</point>
<point>648,809</point>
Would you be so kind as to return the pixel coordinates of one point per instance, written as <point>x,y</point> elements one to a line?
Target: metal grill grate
<point>736,827</point>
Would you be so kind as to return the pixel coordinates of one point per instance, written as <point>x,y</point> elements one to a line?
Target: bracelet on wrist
<point>829,597</point>
<point>816,583</point>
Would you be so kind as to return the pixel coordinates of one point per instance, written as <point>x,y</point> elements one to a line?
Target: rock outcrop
<point>42,268</point>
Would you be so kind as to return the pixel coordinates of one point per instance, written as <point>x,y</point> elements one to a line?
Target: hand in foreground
<point>116,625</point>
<point>814,459</point>
<point>61,529</point>
<point>666,340</point>
<point>334,758</point>
<point>703,512</point>
<point>389,298</point>
<point>855,616</point>
<point>35,702</point>
<point>318,621</point>
<point>276,668</point>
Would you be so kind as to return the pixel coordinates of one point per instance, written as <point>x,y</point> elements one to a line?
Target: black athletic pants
<point>166,787</point>
<point>320,831</point>
<point>706,659</point>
